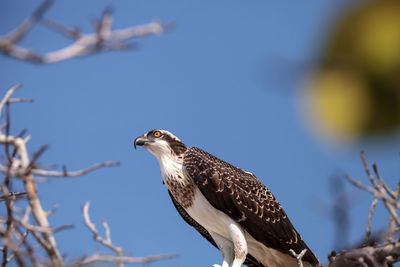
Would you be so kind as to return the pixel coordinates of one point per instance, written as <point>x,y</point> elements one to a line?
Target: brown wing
<point>250,260</point>
<point>245,199</point>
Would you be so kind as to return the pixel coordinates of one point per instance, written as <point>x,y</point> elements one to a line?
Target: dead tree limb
<point>120,259</point>
<point>18,232</point>
<point>381,256</point>
<point>102,39</point>
<point>374,255</point>
<point>17,225</point>
<point>66,173</point>
<point>38,213</point>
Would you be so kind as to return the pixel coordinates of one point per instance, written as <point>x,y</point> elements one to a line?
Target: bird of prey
<point>228,206</point>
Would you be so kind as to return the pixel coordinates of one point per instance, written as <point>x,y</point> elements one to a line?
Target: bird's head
<point>161,143</point>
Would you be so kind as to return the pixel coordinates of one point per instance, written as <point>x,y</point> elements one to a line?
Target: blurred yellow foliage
<point>340,105</point>
<point>377,39</point>
<point>355,90</point>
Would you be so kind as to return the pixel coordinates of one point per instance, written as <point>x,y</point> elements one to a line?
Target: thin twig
<point>8,95</point>
<point>65,173</point>
<point>105,242</point>
<point>392,225</point>
<point>359,184</point>
<point>20,100</point>
<point>371,190</point>
<point>367,170</point>
<point>120,258</point>
<point>381,182</point>
<point>21,241</point>
<point>35,157</point>
<point>116,259</point>
<point>29,249</point>
<point>50,212</point>
<point>57,27</point>
<point>7,235</point>
<point>371,211</point>
<point>12,195</point>
<point>40,229</point>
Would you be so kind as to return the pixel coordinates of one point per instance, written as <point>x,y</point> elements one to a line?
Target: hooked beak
<point>140,141</point>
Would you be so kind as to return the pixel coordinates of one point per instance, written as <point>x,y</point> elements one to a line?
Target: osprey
<point>228,206</point>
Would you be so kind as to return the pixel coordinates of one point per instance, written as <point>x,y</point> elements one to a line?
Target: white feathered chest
<point>181,187</point>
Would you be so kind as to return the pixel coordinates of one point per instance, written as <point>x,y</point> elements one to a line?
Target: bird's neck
<point>181,187</point>
<point>170,166</point>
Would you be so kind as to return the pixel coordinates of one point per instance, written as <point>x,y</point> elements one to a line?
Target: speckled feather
<point>250,260</point>
<point>246,200</point>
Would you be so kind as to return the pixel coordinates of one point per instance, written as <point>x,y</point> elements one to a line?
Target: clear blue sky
<point>207,81</point>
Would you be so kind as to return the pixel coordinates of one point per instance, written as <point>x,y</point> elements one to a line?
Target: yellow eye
<point>157,134</point>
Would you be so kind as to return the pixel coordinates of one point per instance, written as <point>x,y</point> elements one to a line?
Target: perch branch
<point>374,255</point>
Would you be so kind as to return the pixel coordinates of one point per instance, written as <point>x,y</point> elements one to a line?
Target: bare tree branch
<point>41,229</point>
<point>373,191</point>
<point>392,225</point>
<point>115,259</point>
<point>13,196</point>
<point>371,211</point>
<point>70,33</point>
<point>38,213</point>
<point>29,249</point>
<point>359,184</point>
<point>75,173</point>
<point>381,182</point>
<point>374,254</point>
<point>367,170</point>
<point>8,95</point>
<point>21,166</point>
<point>15,228</point>
<point>119,259</point>
<point>20,100</point>
<point>103,39</point>
<point>22,240</point>
<point>105,242</point>
<point>20,32</point>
